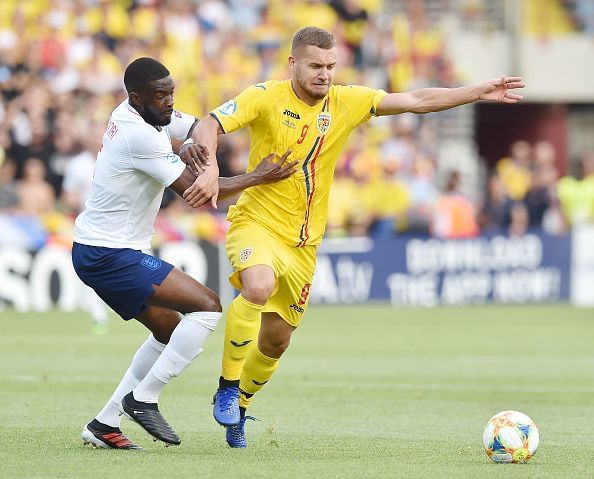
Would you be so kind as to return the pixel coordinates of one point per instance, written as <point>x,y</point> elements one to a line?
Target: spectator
<point>576,196</point>
<point>423,193</point>
<point>540,196</point>
<point>515,169</point>
<point>454,215</point>
<point>392,201</point>
<point>519,219</point>
<point>36,195</point>
<point>9,199</point>
<point>401,147</point>
<point>78,176</point>
<point>494,215</point>
<point>355,22</point>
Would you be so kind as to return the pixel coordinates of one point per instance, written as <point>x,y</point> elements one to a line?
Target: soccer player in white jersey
<point>136,162</point>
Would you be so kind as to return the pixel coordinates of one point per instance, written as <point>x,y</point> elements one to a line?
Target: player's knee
<point>258,293</point>
<point>275,346</point>
<point>211,302</point>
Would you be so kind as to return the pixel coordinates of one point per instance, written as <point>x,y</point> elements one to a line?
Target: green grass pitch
<point>364,391</point>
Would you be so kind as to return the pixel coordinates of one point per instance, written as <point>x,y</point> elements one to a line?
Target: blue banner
<point>428,272</point>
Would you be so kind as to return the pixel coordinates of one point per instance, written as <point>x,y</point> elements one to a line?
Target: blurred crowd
<point>544,18</point>
<point>525,191</point>
<point>61,66</point>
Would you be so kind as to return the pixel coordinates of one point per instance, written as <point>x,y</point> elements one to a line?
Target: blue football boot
<point>226,406</point>
<point>236,434</point>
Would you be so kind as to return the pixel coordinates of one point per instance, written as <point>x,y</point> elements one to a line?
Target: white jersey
<point>133,167</point>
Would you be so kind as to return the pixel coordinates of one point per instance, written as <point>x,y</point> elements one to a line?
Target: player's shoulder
<point>257,96</point>
<point>271,86</point>
<point>127,120</point>
<point>346,91</point>
<point>267,89</point>
<point>129,129</point>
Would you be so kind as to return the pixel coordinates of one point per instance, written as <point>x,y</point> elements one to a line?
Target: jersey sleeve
<point>180,125</point>
<point>241,110</point>
<point>152,155</point>
<point>362,102</point>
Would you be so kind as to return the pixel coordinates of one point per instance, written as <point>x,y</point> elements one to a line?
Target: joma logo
<point>292,115</point>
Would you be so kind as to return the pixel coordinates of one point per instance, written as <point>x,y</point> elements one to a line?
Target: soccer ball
<point>510,436</point>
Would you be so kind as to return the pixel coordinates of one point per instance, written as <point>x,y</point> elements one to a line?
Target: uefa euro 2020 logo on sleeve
<point>228,108</point>
<point>151,262</point>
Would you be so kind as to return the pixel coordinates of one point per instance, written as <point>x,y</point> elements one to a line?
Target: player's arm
<point>180,132</point>
<point>206,186</point>
<point>427,100</point>
<point>231,116</point>
<point>267,171</point>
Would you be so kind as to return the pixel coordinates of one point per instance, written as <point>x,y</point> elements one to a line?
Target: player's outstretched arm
<point>267,171</point>
<point>426,100</point>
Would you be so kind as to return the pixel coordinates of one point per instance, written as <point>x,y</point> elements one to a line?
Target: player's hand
<point>195,156</point>
<point>272,168</point>
<point>204,188</point>
<point>498,90</point>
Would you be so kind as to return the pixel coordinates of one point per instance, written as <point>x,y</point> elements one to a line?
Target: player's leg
<point>104,429</point>
<point>273,340</point>
<point>185,340</point>
<point>129,282</point>
<point>243,318</point>
<point>241,330</point>
<point>251,252</point>
<point>261,363</point>
<point>283,314</point>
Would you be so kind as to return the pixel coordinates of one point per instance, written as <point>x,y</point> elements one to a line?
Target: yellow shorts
<point>249,244</point>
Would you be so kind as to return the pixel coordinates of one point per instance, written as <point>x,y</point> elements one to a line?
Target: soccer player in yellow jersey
<point>276,228</point>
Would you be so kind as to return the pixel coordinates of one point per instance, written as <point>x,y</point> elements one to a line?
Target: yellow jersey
<point>295,209</point>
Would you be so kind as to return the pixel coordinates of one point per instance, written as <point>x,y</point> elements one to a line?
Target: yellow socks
<point>257,371</point>
<point>241,330</point>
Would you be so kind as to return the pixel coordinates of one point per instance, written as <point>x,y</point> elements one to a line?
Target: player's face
<point>157,102</point>
<point>313,70</point>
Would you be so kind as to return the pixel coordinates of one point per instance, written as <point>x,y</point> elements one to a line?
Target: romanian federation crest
<point>324,120</point>
<point>245,254</point>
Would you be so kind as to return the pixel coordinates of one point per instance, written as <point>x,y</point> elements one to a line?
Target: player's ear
<point>291,62</point>
<point>135,98</point>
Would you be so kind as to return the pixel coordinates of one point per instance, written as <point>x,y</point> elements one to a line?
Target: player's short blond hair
<point>312,36</point>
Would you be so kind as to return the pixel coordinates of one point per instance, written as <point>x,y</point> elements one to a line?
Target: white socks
<point>142,362</point>
<point>185,344</point>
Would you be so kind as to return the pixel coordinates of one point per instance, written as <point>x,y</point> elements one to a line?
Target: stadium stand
<point>61,65</point>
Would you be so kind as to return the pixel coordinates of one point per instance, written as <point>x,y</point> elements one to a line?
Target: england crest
<point>324,120</point>
<point>151,262</point>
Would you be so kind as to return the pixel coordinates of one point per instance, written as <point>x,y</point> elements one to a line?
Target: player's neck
<point>139,112</point>
<point>303,96</point>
